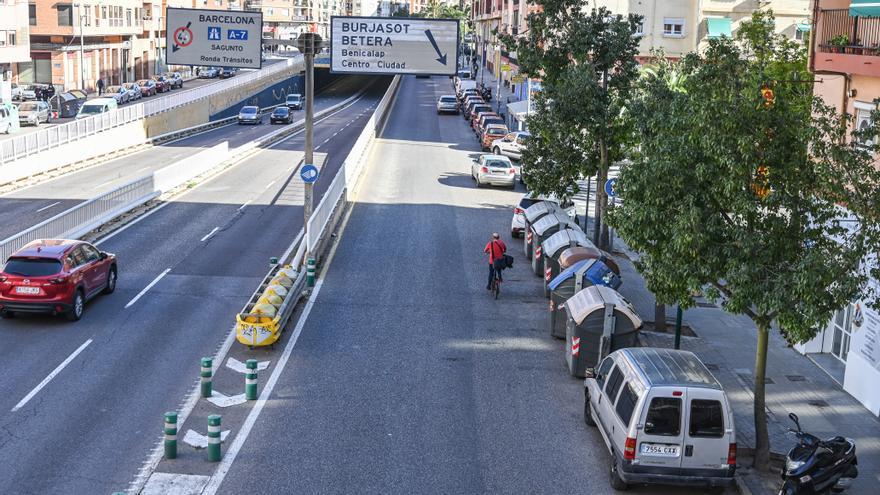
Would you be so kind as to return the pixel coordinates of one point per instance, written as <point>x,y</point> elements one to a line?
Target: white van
<point>96,106</point>
<point>664,418</point>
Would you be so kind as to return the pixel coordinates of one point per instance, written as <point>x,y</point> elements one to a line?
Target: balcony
<point>847,44</point>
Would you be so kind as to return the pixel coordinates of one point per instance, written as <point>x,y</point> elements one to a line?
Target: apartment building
<point>845,58</point>
<point>14,41</point>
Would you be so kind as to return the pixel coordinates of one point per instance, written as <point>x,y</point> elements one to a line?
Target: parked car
<point>464,74</point>
<point>511,145</point>
<point>495,170</point>
<point>175,79</point>
<point>478,112</point>
<point>470,110</point>
<point>16,92</point>
<point>518,222</point>
<point>281,115</point>
<point>250,115</point>
<point>33,112</point>
<point>226,72</point>
<point>163,84</point>
<point>294,101</point>
<point>118,93</point>
<point>55,276</point>
<point>208,72</point>
<point>484,121</point>
<point>96,106</point>
<point>28,92</point>
<point>148,87</point>
<point>134,91</point>
<point>491,133</point>
<point>447,104</point>
<point>664,418</point>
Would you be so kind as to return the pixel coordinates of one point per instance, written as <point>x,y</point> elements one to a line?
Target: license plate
<point>660,449</point>
<point>499,172</point>
<point>27,290</point>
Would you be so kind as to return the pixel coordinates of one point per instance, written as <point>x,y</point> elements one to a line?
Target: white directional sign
<point>224,38</point>
<point>393,45</point>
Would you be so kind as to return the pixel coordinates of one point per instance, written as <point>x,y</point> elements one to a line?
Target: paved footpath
<point>726,343</point>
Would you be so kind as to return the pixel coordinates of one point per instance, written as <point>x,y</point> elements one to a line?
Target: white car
<point>511,145</point>
<point>518,222</point>
<point>495,170</point>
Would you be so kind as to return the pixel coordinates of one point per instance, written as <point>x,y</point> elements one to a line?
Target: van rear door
<point>708,432</point>
<point>662,436</point>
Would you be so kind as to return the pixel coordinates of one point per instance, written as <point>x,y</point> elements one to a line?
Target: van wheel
<point>76,311</point>
<point>588,417</point>
<point>614,477</point>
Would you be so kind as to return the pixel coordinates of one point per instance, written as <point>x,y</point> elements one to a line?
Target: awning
<point>804,26</point>
<point>864,8</point>
<point>719,26</point>
<point>518,109</point>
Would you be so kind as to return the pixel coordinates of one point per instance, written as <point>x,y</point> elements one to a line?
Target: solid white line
<point>247,203</point>
<point>210,234</point>
<point>154,282</point>
<point>47,207</point>
<point>52,375</point>
<point>270,184</point>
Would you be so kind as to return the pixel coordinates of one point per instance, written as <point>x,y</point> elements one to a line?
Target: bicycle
<point>496,283</point>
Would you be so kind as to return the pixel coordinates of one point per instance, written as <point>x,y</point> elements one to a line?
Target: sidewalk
<point>726,343</point>
<point>504,97</point>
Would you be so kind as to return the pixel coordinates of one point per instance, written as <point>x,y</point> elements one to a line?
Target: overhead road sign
<point>393,45</point>
<point>223,38</point>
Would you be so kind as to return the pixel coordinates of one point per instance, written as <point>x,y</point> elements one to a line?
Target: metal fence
<point>84,216</point>
<point>856,35</point>
<point>50,137</point>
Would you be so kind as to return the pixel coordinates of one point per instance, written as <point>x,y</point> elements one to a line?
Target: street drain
<point>796,378</point>
<point>817,403</point>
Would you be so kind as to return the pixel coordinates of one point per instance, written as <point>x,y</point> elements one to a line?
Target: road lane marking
<point>104,184</point>
<point>52,375</point>
<point>154,282</point>
<point>210,234</point>
<point>247,203</point>
<point>270,184</point>
<point>47,207</point>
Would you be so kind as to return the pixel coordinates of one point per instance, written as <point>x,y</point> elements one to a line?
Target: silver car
<point>33,112</point>
<point>134,91</point>
<point>494,170</point>
<point>511,145</point>
<point>119,93</point>
<point>250,115</point>
<point>447,103</point>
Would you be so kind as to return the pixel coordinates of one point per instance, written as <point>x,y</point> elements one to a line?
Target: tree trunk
<point>659,316</point>
<point>597,218</point>
<point>601,197</point>
<point>762,440</point>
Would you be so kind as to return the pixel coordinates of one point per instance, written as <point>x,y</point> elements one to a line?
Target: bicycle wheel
<point>497,288</point>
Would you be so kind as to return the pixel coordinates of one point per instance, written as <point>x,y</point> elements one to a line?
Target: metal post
<point>250,380</point>
<point>206,377</point>
<point>214,438</point>
<point>498,78</point>
<point>678,327</point>
<point>309,44</point>
<point>528,96</point>
<point>171,435</point>
<point>608,327</point>
<point>82,69</point>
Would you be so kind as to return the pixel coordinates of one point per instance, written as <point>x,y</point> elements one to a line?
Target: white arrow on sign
<point>221,400</point>
<point>200,441</point>
<point>236,365</point>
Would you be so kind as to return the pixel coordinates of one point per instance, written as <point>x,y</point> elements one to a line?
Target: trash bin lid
<point>593,298</point>
<point>578,253</point>
<point>540,209</point>
<point>558,218</point>
<point>563,239</point>
<point>570,273</point>
<point>596,270</point>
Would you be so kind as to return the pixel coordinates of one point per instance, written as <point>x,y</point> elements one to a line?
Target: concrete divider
<point>174,175</point>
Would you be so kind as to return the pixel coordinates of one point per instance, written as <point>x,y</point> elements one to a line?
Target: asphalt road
<point>89,429</point>
<point>407,377</point>
<point>25,207</point>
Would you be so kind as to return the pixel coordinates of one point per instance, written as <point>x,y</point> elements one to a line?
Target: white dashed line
<point>242,206</point>
<point>52,375</point>
<point>270,184</point>
<point>154,282</point>
<point>49,206</point>
<point>210,234</point>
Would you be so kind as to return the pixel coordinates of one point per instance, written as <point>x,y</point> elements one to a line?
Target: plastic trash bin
<point>553,247</point>
<point>574,279</point>
<point>572,255</point>
<point>542,230</point>
<point>531,215</point>
<point>599,321</point>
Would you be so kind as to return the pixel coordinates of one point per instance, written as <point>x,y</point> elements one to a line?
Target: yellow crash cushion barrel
<point>282,281</point>
<point>275,289</point>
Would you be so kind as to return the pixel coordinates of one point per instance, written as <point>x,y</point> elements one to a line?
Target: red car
<point>55,276</point>
<point>162,83</point>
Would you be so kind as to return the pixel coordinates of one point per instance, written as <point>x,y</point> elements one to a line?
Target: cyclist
<point>496,249</point>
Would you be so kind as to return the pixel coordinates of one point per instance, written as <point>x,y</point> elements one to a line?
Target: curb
<point>741,485</point>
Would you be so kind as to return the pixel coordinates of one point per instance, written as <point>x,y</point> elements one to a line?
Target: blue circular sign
<point>309,173</point>
<point>609,187</point>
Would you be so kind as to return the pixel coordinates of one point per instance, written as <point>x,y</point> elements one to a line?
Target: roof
<point>495,157</point>
<point>670,367</point>
<point>46,248</point>
<point>518,109</point>
<point>593,298</point>
<point>565,238</point>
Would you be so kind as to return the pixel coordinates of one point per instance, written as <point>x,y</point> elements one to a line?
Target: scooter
<point>816,466</point>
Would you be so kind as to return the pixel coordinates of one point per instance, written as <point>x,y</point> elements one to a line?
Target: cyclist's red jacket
<point>496,249</point>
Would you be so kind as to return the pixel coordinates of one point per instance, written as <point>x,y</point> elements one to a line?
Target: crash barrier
<point>265,314</point>
<point>29,144</point>
<point>85,217</point>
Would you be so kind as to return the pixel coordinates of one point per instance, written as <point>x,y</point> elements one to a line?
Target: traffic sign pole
<point>309,44</point>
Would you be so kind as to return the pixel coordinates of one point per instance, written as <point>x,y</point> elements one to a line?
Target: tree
<point>586,61</point>
<point>738,191</point>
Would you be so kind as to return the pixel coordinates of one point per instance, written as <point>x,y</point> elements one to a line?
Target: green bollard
<point>206,373</point>
<point>250,380</point>
<point>678,328</point>
<point>310,272</point>
<point>214,438</point>
<point>171,435</point>
<point>273,260</point>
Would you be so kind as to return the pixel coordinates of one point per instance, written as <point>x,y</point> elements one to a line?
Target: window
<point>79,257</point>
<point>604,368</point>
<point>3,37</point>
<point>91,253</point>
<point>863,120</point>
<point>65,14</point>
<point>614,382</point>
<point>32,267</point>
<point>664,417</point>
<point>626,403</point>
<point>640,28</point>
<point>103,12</point>
<point>673,28</point>
<point>32,14</point>
<point>128,17</point>
<point>706,419</point>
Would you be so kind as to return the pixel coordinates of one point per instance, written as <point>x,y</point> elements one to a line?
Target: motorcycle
<point>816,466</point>
<point>486,93</point>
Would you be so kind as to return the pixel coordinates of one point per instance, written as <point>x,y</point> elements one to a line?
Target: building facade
<point>14,36</point>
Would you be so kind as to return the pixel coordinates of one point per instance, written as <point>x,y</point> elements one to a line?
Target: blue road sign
<point>214,33</point>
<point>609,187</point>
<point>237,34</point>
<point>309,173</point>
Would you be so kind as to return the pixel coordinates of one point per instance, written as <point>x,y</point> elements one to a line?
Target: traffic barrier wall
<point>166,179</point>
<point>194,114</point>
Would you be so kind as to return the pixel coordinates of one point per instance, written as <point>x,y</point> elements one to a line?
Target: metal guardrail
<point>84,216</point>
<point>44,139</point>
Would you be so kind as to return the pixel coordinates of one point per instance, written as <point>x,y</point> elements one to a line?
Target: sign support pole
<point>309,44</point>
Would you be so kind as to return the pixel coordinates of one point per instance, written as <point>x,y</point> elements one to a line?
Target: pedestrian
<point>496,249</point>
<point>100,85</point>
